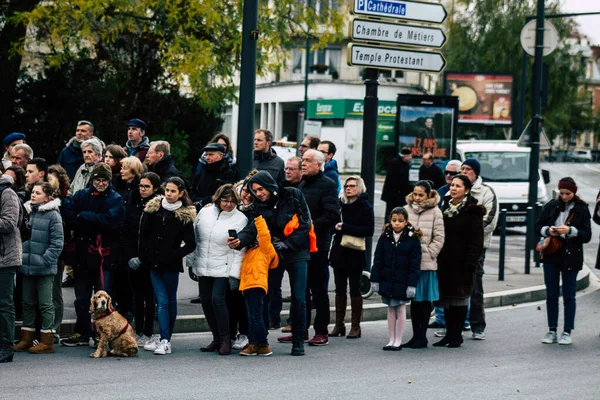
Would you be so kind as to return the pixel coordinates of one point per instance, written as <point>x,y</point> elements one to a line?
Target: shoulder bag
<point>353,242</point>
<point>550,245</point>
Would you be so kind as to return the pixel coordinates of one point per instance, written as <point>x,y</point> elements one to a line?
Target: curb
<point>378,312</point>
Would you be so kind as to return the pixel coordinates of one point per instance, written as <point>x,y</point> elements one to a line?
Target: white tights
<point>396,317</point>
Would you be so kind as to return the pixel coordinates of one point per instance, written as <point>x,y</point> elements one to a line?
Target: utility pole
<point>245,144</point>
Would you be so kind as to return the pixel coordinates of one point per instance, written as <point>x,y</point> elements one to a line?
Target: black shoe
<point>435,325</point>
<point>197,300</point>
<point>298,349</point>
<point>408,344</point>
<point>418,344</point>
<point>68,282</point>
<point>287,299</point>
<point>6,356</point>
<point>442,342</point>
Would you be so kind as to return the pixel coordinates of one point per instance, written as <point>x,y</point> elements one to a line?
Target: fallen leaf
<point>495,365</point>
<point>539,308</point>
<point>409,381</point>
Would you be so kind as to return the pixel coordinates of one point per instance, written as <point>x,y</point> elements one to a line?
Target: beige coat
<point>429,219</point>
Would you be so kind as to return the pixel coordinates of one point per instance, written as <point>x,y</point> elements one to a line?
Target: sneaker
<point>68,282</point>
<point>297,349</point>
<point>56,338</point>
<point>240,343</point>
<point>94,342</point>
<point>286,329</point>
<point>549,337</point>
<point>140,340</point>
<point>565,338</point>
<point>466,327</point>
<point>435,325</point>
<point>478,336</point>
<point>319,340</point>
<point>264,350</point>
<point>249,350</point>
<point>152,343</point>
<point>164,347</point>
<point>75,340</point>
<point>441,333</point>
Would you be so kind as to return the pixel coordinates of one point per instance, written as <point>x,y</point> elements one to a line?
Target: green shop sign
<point>346,108</point>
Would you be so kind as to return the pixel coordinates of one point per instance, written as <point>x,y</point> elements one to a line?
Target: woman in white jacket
<point>214,262</point>
<point>424,214</point>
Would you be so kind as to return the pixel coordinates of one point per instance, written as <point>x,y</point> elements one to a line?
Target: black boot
<point>458,317</point>
<point>448,313</point>
<point>424,309</point>
<point>213,346</point>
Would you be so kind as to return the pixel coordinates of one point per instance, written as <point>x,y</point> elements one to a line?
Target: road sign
<point>388,58</point>
<point>528,37</point>
<point>312,128</point>
<point>396,33</point>
<point>525,138</point>
<point>409,10</point>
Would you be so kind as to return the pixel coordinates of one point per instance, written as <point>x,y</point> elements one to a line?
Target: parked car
<point>581,155</point>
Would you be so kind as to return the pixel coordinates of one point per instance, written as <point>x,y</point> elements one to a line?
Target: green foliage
<point>485,37</point>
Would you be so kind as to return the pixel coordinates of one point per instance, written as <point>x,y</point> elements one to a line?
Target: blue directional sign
<point>408,10</point>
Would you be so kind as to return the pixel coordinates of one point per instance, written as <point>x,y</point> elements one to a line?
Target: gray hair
<point>88,123</point>
<point>27,150</point>
<point>94,144</point>
<point>454,163</point>
<point>360,187</point>
<point>162,146</point>
<point>295,159</point>
<point>317,156</point>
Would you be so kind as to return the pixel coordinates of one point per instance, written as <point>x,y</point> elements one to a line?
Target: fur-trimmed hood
<point>184,214</point>
<point>426,204</point>
<point>53,204</point>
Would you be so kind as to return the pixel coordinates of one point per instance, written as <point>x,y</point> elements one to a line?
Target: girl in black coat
<point>457,262</point>
<point>395,271</point>
<point>566,218</point>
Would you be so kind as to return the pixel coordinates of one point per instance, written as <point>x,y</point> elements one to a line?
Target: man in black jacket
<point>321,195</point>
<point>160,161</point>
<point>215,173</point>
<point>265,158</point>
<point>429,171</point>
<point>397,185</point>
<point>278,205</point>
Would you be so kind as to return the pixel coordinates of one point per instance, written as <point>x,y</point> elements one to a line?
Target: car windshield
<point>502,166</point>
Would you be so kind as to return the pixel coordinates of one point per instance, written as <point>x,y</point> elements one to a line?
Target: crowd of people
<point>122,219</point>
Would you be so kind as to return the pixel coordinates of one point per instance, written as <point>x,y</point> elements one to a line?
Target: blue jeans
<point>7,307</point>
<point>318,282</point>
<point>87,281</point>
<point>440,319</point>
<point>552,273</point>
<point>298,276</point>
<point>257,331</point>
<point>165,289</point>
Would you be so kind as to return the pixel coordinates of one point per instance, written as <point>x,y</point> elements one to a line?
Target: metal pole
<point>522,91</point>
<point>300,133</point>
<point>534,160</point>
<point>538,212</point>
<point>247,87</point>
<point>502,244</point>
<point>367,165</point>
<point>528,240</point>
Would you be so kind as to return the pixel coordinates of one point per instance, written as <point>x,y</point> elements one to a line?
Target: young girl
<point>40,258</point>
<point>395,271</point>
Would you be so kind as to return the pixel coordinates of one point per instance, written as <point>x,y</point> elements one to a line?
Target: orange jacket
<point>259,259</point>
<point>295,223</point>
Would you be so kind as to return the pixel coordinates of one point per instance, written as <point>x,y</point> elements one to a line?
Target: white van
<point>505,167</point>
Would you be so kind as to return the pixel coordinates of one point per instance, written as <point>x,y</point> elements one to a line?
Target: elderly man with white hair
<point>452,169</point>
<point>92,154</point>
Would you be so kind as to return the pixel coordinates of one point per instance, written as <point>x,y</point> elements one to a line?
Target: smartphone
<point>232,233</point>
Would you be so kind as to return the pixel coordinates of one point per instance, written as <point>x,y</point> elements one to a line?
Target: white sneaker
<point>164,347</point>
<point>140,340</point>
<point>441,333</point>
<point>549,337</point>
<point>152,343</point>
<point>565,338</point>
<point>240,343</point>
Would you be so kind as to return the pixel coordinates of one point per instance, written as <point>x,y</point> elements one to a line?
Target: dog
<point>113,328</point>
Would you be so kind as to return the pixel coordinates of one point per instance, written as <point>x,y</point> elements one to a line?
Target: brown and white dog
<point>112,327</point>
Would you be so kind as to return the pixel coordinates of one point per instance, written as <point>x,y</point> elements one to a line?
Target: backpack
<point>23,220</point>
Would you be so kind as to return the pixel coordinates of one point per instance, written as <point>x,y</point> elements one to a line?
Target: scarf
<point>170,206</point>
<point>453,210</point>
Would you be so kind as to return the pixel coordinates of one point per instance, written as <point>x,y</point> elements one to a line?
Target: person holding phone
<point>215,263</point>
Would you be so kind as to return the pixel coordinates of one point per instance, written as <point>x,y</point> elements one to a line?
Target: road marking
<point>591,168</point>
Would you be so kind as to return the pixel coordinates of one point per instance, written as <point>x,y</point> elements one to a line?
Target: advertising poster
<point>426,124</point>
<point>482,98</point>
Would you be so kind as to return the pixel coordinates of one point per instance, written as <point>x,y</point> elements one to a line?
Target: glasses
<point>145,187</point>
<point>303,146</point>
<point>100,180</point>
<point>324,152</point>
<point>291,169</point>
<point>451,173</point>
<point>349,186</point>
<point>225,201</point>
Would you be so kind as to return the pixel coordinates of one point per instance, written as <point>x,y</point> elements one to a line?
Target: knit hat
<point>138,123</point>
<point>474,164</point>
<point>214,147</point>
<point>11,137</point>
<point>567,183</point>
<point>101,170</point>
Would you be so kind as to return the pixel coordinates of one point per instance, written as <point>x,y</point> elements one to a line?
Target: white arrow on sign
<point>410,10</point>
<point>386,58</point>
<point>374,31</point>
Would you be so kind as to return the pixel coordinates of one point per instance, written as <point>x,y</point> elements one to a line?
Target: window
<point>320,62</point>
<point>391,75</point>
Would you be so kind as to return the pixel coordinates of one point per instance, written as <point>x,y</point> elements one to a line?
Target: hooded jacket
<point>270,162</point>
<point>429,219</point>
<point>212,256</point>
<point>161,235</point>
<point>330,170</point>
<point>10,238</point>
<point>71,158</point>
<point>259,259</point>
<point>41,251</point>
<point>284,203</point>
<point>165,168</point>
<point>486,197</point>
<point>140,150</point>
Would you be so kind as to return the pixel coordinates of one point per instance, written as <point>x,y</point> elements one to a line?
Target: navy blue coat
<point>397,264</point>
<point>70,158</point>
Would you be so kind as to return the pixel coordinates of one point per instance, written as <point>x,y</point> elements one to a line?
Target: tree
<point>485,37</point>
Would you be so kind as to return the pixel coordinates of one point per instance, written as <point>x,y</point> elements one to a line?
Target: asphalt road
<point>511,363</point>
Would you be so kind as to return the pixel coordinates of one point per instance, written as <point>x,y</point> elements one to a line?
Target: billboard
<point>427,124</point>
<point>482,98</point>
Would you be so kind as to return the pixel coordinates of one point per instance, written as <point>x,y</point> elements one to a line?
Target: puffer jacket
<point>161,235</point>
<point>41,251</point>
<point>259,259</point>
<point>270,162</point>
<point>486,197</point>
<point>429,219</point>
<point>212,257</point>
<point>10,238</point>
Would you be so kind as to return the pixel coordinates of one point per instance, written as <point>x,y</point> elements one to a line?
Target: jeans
<point>317,284</point>
<point>57,296</point>
<point>238,313</point>
<point>440,319</point>
<point>257,331</point>
<point>213,292</point>
<point>344,275</point>
<point>275,295</point>
<point>87,281</point>
<point>552,274</point>
<point>7,307</point>
<point>144,304</point>
<point>165,288</point>
<point>477,312</point>
<point>37,292</point>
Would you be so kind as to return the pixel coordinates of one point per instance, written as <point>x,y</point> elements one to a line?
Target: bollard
<point>537,255</point>
<point>528,239</point>
<point>502,244</point>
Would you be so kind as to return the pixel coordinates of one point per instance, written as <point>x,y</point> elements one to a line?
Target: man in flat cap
<point>137,144</point>
<point>397,185</point>
<point>215,173</point>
